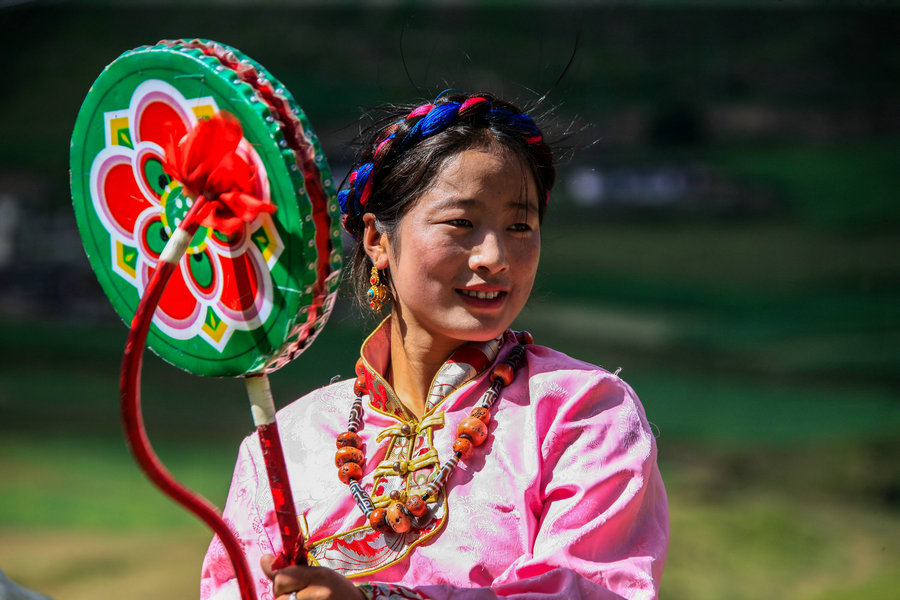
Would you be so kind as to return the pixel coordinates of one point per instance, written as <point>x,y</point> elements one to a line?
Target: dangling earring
<point>378,293</point>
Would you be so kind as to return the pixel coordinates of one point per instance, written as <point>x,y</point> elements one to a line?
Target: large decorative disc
<point>240,305</point>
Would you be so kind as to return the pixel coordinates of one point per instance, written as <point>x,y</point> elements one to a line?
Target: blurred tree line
<point>644,76</point>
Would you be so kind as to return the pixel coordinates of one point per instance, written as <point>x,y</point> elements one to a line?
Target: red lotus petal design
<point>240,285</point>
<point>119,183</point>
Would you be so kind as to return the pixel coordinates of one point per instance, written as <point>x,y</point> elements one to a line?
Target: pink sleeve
<point>604,529</point>
<point>242,516</point>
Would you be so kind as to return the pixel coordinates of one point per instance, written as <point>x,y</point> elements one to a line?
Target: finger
<point>313,582</point>
<point>292,579</point>
<point>266,563</point>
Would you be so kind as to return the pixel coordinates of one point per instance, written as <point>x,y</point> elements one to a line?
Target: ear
<point>375,243</point>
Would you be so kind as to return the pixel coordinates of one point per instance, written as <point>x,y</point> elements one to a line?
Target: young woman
<point>471,463</point>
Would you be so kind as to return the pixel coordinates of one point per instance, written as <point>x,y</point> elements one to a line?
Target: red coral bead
<point>504,372</point>
<point>348,438</point>
<point>398,517</point>
<point>359,387</point>
<point>524,337</point>
<point>348,454</point>
<point>378,520</point>
<point>464,447</point>
<point>416,506</point>
<point>474,428</point>
<point>349,471</point>
<point>482,414</point>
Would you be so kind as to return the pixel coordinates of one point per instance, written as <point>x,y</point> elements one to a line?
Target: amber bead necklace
<point>400,517</point>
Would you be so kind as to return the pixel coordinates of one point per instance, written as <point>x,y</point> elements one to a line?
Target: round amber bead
<point>504,372</point>
<point>398,517</point>
<point>464,447</point>
<point>348,471</point>
<point>348,454</point>
<point>378,520</point>
<point>416,506</point>
<point>524,337</point>
<point>348,438</point>
<point>482,414</point>
<point>473,428</point>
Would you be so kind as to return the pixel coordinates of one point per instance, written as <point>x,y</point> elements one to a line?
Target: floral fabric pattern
<point>388,591</point>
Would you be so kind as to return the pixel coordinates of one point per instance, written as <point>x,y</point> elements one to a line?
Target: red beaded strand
<point>472,431</point>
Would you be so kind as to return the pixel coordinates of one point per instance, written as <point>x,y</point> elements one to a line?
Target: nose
<point>489,255</point>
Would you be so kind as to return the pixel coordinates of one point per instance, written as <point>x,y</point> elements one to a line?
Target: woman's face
<point>464,257</point>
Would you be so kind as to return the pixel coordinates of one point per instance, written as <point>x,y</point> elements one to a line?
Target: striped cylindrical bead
<point>362,498</point>
<point>432,489</point>
<point>356,412</point>
<point>490,396</point>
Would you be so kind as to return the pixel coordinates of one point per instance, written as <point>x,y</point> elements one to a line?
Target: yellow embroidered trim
<point>392,398</point>
<point>415,427</point>
<point>386,467</point>
<point>406,553</point>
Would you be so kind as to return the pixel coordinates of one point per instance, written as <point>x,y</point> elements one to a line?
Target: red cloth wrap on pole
<point>293,550</point>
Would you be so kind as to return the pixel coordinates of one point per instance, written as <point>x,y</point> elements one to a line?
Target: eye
<point>459,222</point>
<point>520,227</point>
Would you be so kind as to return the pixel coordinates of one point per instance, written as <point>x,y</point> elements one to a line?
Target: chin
<point>481,332</point>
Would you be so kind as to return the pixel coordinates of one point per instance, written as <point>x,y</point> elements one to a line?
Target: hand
<point>310,583</point>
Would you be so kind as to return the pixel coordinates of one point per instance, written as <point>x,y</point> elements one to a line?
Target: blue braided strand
<point>438,117</point>
<point>362,178</point>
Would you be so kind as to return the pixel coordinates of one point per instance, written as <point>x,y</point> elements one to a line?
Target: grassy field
<point>777,432</point>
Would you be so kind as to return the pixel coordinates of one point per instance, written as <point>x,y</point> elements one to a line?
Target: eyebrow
<point>463,202</point>
<point>528,205</point>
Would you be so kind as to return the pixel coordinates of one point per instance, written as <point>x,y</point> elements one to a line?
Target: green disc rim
<point>231,308</point>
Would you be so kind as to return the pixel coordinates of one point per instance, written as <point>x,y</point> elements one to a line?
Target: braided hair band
<point>421,123</point>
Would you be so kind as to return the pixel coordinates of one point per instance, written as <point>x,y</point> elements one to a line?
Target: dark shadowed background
<point>725,229</point>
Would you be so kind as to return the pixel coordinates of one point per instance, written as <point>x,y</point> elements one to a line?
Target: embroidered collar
<point>464,364</point>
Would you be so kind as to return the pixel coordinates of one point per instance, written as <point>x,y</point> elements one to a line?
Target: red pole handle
<point>293,551</point>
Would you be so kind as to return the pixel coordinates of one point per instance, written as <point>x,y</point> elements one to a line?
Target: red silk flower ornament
<point>206,163</point>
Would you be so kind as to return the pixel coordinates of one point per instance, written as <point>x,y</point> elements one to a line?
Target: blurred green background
<point>725,230</point>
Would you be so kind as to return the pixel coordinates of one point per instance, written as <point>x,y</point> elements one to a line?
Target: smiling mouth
<point>481,295</point>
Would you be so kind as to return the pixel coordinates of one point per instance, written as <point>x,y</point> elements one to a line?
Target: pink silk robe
<point>563,500</point>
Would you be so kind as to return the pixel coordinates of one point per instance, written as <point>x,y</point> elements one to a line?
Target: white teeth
<point>481,295</point>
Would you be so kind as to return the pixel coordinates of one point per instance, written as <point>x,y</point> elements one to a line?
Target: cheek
<point>423,264</point>
<point>432,259</point>
<point>527,257</point>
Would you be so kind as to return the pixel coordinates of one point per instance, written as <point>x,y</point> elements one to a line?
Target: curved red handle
<point>133,422</point>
